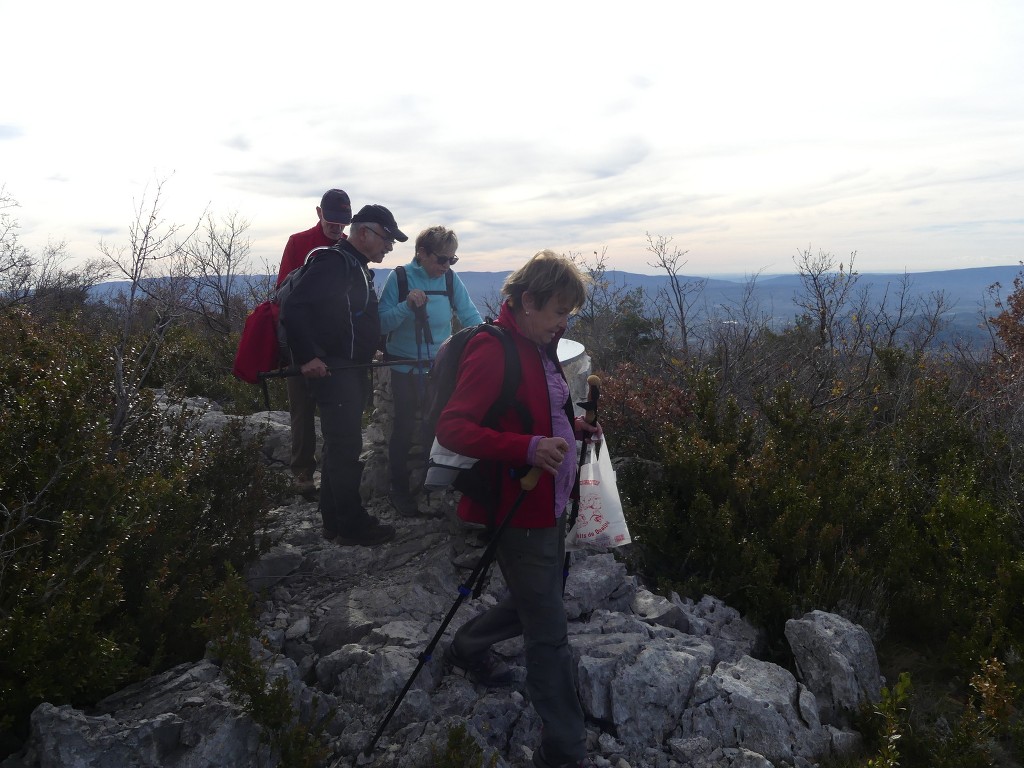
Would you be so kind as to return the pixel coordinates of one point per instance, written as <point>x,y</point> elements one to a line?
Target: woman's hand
<point>550,454</point>
<point>584,430</point>
<point>416,298</point>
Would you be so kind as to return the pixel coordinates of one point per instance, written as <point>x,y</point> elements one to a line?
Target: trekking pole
<point>284,373</point>
<point>590,416</point>
<point>527,484</point>
<point>423,324</point>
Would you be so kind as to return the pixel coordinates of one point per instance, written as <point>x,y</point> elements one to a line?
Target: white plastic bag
<point>600,523</point>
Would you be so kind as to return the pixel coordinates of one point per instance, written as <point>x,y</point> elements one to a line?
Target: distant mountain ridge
<point>967,290</point>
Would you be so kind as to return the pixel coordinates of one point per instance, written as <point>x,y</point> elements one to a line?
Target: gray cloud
<point>239,142</point>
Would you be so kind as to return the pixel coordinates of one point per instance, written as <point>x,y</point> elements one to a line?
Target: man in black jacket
<point>333,327</point>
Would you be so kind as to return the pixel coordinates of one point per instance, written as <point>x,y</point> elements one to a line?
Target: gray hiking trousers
<point>531,560</point>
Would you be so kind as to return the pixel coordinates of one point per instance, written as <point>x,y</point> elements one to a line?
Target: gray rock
<point>665,682</point>
<point>182,718</point>
<point>732,635</point>
<point>274,566</point>
<point>836,661</point>
<point>758,707</point>
<point>597,581</point>
<point>659,610</point>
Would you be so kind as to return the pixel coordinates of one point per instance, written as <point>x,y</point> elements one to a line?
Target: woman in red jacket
<point>541,432</point>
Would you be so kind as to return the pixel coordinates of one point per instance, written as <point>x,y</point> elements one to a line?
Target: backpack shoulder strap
<point>449,288</point>
<point>510,382</point>
<point>403,283</point>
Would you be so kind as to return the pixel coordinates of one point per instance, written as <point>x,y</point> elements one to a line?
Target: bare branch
<point>681,294</point>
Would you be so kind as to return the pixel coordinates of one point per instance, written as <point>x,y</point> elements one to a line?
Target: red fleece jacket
<point>298,248</point>
<point>481,373</point>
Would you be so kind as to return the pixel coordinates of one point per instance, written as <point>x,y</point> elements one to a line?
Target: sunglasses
<point>442,260</point>
<point>386,238</point>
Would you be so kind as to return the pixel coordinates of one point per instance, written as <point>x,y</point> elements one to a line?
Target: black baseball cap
<point>336,207</point>
<point>378,214</point>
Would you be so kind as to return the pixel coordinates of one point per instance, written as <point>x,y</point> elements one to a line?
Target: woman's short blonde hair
<point>547,274</point>
<point>435,239</point>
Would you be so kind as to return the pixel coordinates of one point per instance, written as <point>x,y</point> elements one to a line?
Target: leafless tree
<point>16,263</point>
<point>731,333</point>
<point>492,302</point>
<point>846,332</point>
<point>826,292</point>
<point>43,283</point>
<point>908,319</point>
<point>153,262</point>
<point>616,321</point>
<point>682,293</point>
<point>58,288</point>
<point>213,261</point>
<point>594,318</point>
<point>258,291</point>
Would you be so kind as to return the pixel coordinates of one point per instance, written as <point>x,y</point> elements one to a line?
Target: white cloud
<point>744,130</point>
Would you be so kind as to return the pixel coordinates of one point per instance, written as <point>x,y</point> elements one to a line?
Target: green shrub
<point>105,547</point>
<point>197,361</point>
<point>229,624</point>
<point>797,507</point>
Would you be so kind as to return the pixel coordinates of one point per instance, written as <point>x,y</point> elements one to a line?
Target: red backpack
<point>258,348</point>
<point>263,346</point>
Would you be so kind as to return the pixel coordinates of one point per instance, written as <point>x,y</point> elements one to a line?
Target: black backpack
<point>403,293</point>
<point>292,279</point>
<point>477,479</point>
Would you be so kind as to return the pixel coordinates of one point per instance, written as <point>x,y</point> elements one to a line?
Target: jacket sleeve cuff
<point>531,452</point>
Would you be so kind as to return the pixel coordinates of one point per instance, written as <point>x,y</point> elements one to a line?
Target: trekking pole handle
<point>529,481</point>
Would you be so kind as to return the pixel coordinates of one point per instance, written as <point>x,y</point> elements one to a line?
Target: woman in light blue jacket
<point>416,310</point>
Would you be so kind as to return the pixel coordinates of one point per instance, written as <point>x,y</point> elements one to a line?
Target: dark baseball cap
<point>336,207</point>
<point>378,214</point>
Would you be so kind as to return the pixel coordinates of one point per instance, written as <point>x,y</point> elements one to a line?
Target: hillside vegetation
<point>845,462</point>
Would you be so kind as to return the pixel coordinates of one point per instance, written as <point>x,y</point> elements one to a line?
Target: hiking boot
<point>403,503</point>
<point>370,535</point>
<point>486,669</point>
<point>540,761</point>
<point>305,487</point>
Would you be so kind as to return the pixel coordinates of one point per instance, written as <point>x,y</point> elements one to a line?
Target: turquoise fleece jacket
<point>397,320</point>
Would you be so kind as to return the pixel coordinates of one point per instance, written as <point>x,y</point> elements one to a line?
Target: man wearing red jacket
<point>334,214</point>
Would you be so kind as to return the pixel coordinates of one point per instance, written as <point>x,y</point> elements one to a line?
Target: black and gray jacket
<point>332,312</point>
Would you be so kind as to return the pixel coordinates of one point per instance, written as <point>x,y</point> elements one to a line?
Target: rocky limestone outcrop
<point>666,682</point>
<point>836,660</point>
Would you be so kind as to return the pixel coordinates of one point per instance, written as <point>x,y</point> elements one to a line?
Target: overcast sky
<point>745,131</point>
